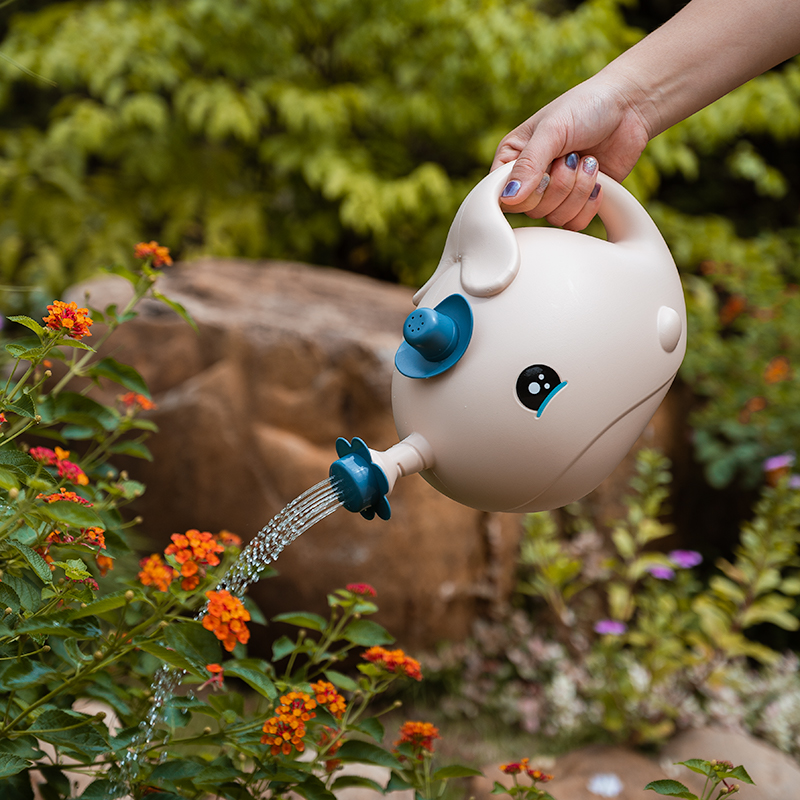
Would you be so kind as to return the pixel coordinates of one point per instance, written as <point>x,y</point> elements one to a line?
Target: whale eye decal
<point>537,385</point>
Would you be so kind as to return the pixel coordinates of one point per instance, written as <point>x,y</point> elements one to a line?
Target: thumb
<point>529,176</point>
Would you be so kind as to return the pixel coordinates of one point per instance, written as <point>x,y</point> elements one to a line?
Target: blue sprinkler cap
<point>435,338</point>
<point>360,484</point>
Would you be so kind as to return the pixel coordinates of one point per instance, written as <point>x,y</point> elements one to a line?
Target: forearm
<point>707,49</point>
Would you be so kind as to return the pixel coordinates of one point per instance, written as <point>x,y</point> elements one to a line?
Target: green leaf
<point>30,324</point>
<point>30,595</point>
<point>8,480</point>
<point>176,307</point>
<point>341,681</point>
<point>119,373</point>
<point>9,598</point>
<point>67,512</point>
<point>367,753</point>
<point>71,731</point>
<point>740,773</point>
<point>176,770</point>
<point>671,789</point>
<point>349,781</point>
<point>254,678</point>
<point>74,569</point>
<point>281,648</point>
<point>303,619</point>
<point>102,789</point>
<point>191,640</point>
<point>366,633</point>
<point>372,726</point>
<point>312,788</point>
<point>455,771</point>
<point>133,448</point>
<point>21,464</point>
<point>102,606</point>
<point>22,351</point>
<point>77,409</point>
<point>398,784</point>
<point>23,406</point>
<point>24,674</point>
<point>172,659</point>
<point>48,626</point>
<point>698,765</point>
<point>66,341</point>
<point>37,563</point>
<point>11,765</point>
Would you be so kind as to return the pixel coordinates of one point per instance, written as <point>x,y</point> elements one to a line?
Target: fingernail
<point>572,160</point>
<point>595,192</point>
<point>543,184</point>
<point>590,165</point>
<point>511,189</point>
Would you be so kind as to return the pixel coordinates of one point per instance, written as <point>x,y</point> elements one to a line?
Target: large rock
<point>288,358</point>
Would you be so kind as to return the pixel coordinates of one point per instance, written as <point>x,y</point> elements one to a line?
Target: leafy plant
<point>716,772</point>
<point>635,645</point>
<point>112,671</point>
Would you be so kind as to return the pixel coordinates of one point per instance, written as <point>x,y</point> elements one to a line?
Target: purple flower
<point>612,627</point>
<point>778,462</point>
<point>661,572</point>
<point>685,559</point>
<point>794,482</point>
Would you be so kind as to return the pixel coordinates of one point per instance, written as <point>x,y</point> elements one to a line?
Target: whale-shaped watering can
<point>533,361</point>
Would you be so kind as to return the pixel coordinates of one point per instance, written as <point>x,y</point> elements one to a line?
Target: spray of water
<point>297,517</point>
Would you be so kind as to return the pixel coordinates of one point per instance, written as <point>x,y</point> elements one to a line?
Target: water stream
<point>297,517</point>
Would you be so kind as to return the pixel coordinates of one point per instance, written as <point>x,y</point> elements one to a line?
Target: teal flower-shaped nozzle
<point>361,484</point>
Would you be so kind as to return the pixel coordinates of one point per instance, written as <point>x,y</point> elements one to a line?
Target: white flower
<point>605,784</point>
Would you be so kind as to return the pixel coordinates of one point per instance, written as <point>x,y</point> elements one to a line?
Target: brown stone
<point>288,358</point>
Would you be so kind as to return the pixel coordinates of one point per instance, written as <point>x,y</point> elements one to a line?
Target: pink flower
<point>661,572</point>
<point>363,589</point>
<point>685,559</point>
<point>783,461</point>
<point>611,627</point>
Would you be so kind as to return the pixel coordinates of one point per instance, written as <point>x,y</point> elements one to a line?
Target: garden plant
<point>617,639</point>
<point>87,626</point>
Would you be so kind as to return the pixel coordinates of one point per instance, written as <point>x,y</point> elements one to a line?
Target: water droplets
<point>297,517</point>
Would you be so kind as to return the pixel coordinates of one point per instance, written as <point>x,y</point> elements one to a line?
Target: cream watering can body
<point>534,360</point>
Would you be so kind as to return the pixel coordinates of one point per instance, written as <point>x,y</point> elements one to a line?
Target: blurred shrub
<point>634,644</point>
<point>348,134</point>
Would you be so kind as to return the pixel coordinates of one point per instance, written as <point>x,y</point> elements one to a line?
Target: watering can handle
<point>484,244</point>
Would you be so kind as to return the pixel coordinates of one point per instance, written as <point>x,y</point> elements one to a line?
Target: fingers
<point>568,195</point>
<point>576,194</point>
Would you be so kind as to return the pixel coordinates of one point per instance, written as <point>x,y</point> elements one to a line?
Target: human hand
<point>557,151</point>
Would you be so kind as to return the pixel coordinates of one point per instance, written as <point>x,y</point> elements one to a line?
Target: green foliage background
<point>347,133</point>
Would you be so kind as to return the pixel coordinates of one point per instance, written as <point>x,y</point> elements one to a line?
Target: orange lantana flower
<point>394,661</point>
<point>63,494</point>
<point>225,617</point>
<point>420,735</point>
<point>68,319</point>
<point>194,551</point>
<point>132,399</point>
<point>777,370</point>
<point>285,731</point>
<point>156,573</point>
<point>159,253</point>
<point>327,696</point>
<point>104,564</point>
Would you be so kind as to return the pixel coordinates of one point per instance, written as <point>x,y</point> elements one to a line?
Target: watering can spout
<point>363,478</point>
